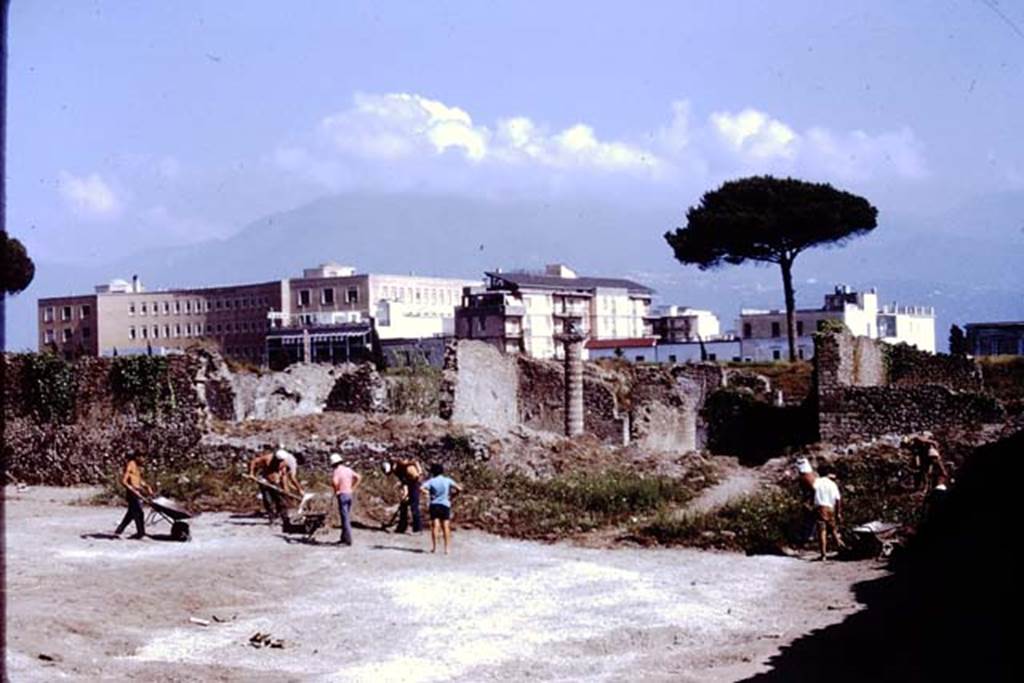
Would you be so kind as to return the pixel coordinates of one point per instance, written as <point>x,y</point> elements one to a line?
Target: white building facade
<point>764,336</point>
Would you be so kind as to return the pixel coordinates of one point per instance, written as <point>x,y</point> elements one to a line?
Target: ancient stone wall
<point>860,413</point>
<point>867,388</point>
<point>354,389</point>
<point>72,423</point>
<point>480,385</point>
<point>910,367</point>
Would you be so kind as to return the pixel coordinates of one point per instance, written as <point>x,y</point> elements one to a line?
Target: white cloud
<point>401,125</point>
<point>440,145</point>
<point>754,134</point>
<point>89,196</point>
<point>398,124</point>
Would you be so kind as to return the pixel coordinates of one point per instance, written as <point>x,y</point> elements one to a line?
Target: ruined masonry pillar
<point>573,386</point>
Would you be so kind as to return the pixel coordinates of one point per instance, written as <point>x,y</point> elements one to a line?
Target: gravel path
<point>736,481</point>
<point>85,608</point>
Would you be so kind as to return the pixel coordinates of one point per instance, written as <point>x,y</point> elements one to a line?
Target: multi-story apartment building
<point>236,319</point>
<point>674,324</point>
<point>764,337</point>
<point>527,312</point>
<point>995,339</point>
<point>125,318</point>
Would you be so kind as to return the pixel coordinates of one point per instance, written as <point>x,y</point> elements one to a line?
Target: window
<point>481,323</point>
<point>177,307</point>
<point>84,311</point>
<point>746,331</point>
<point>131,309</point>
<point>177,330</point>
<point>86,333</point>
<point>672,358</point>
<point>220,328</point>
<point>167,331</point>
<point>142,311</point>
<point>218,304</point>
<point>145,331</point>
<point>799,328</point>
<point>304,297</point>
<point>165,308</point>
<point>131,332</point>
<point>640,359</point>
<point>327,296</point>
<point>188,307</point>
<point>48,336</point>
<point>352,295</point>
<point>776,331</point>
<point>65,313</point>
<point>156,331</point>
<point>209,328</point>
<point>48,314</point>
<point>800,353</point>
<point>776,354</point>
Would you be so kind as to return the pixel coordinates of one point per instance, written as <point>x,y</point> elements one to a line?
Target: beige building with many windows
<point>125,318</point>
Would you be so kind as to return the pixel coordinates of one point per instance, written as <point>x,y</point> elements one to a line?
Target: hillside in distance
<point>968,272</point>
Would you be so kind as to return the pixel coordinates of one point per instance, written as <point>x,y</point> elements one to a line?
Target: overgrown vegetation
<point>50,387</point>
<point>875,486</point>
<point>759,523</point>
<point>199,487</point>
<point>142,381</point>
<point>414,390</point>
<point>1004,377</point>
<point>793,379</point>
<point>512,504</point>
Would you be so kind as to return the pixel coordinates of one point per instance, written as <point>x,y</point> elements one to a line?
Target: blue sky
<point>137,125</point>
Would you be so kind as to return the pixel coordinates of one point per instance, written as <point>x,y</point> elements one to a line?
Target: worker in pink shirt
<point>345,481</point>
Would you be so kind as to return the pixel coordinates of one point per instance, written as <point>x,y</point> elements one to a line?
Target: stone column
<point>573,345</point>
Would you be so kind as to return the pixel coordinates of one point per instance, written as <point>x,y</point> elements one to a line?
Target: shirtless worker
<point>279,469</point>
<point>133,483</point>
<point>408,472</point>
<point>927,461</point>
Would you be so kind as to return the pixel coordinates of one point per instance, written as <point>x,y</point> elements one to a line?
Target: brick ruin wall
<point>867,389</point>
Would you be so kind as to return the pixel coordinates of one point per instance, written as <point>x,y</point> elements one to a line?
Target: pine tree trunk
<point>787,285</point>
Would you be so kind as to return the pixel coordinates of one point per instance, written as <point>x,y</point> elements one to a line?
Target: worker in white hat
<point>345,481</point>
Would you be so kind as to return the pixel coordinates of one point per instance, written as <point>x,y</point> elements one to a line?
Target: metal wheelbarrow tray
<point>174,513</point>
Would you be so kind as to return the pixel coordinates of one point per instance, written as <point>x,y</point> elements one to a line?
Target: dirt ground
<point>84,606</point>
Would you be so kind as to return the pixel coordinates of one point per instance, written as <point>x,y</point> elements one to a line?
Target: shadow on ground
<point>943,614</point>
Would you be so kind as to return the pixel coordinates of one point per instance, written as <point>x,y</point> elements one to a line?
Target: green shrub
<point>50,387</point>
<point>513,504</point>
<point>141,381</point>
<point>414,390</point>
<point>763,522</point>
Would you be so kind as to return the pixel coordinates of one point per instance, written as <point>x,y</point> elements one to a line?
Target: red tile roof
<point>642,343</point>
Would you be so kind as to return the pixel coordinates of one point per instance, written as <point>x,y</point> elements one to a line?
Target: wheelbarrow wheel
<point>180,532</point>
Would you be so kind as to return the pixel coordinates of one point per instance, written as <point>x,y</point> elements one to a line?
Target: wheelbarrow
<point>876,539</point>
<point>304,522</point>
<point>173,513</point>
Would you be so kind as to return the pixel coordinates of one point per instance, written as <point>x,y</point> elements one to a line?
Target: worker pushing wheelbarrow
<point>173,513</point>
<point>161,507</point>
